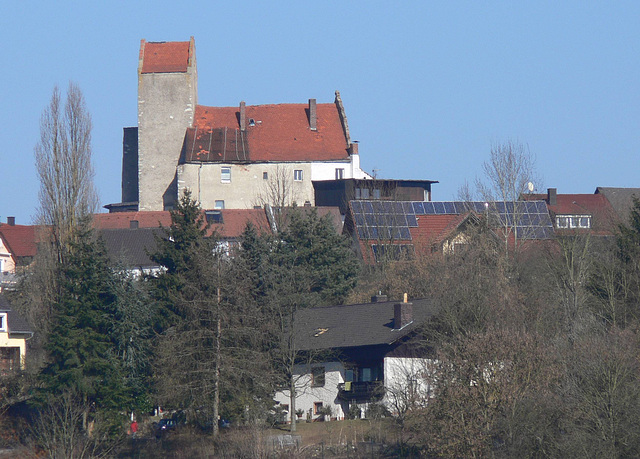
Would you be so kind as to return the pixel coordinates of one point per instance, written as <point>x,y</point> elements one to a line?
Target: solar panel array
<point>391,220</point>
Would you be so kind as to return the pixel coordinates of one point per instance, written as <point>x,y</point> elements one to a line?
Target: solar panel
<point>428,208</point>
<point>392,219</point>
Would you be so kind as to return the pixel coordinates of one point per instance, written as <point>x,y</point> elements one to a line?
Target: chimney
<point>313,118</point>
<point>353,148</point>
<point>243,116</point>
<point>379,298</point>
<point>134,224</point>
<point>402,314</point>
<point>552,196</point>
<point>11,221</point>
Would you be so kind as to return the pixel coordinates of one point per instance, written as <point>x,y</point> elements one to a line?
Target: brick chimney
<point>11,221</point>
<point>313,117</point>
<point>402,314</point>
<point>379,298</point>
<point>243,116</point>
<point>552,196</point>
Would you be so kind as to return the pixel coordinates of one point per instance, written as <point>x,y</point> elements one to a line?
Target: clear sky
<point>428,87</point>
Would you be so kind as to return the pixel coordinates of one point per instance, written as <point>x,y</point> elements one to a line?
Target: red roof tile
<point>234,220</point>
<point>20,240</point>
<point>279,133</point>
<point>123,220</point>
<point>165,57</point>
<point>605,218</point>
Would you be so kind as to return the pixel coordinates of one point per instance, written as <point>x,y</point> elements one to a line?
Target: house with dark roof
<point>358,354</point>
<point>579,213</point>
<point>14,333</point>
<point>621,199</point>
<point>229,157</point>
<point>131,236</point>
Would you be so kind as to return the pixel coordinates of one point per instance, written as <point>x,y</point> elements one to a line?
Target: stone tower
<point>167,98</point>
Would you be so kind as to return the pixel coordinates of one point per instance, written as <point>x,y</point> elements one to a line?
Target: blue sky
<point>428,87</point>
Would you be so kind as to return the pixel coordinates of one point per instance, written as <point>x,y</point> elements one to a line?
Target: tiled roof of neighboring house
<point>130,247</point>
<point>621,199</point>
<point>149,219</point>
<point>165,57</point>
<point>15,322</point>
<point>604,216</point>
<point>19,239</point>
<point>355,324</point>
<point>278,133</point>
<point>233,220</point>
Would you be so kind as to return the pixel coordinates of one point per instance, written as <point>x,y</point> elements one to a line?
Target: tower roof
<point>166,56</point>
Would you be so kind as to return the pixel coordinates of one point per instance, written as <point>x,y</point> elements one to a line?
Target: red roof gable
<point>20,240</point>
<point>165,57</point>
<point>279,133</point>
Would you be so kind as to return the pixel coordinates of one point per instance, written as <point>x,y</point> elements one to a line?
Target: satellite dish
<point>530,186</point>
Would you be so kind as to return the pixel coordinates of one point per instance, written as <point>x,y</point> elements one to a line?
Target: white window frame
<point>298,175</point>
<point>339,173</point>
<point>573,221</point>
<point>219,204</point>
<point>3,322</point>
<point>225,174</point>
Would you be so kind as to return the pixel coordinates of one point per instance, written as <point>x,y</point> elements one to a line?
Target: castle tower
<point>167,98</point>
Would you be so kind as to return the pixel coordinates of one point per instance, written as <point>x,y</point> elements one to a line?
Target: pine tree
<point>82,346</point>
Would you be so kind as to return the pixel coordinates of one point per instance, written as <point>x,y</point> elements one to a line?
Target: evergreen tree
<point>82,345</point>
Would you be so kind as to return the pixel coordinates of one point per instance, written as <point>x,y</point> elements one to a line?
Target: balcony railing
<point>361,391</point>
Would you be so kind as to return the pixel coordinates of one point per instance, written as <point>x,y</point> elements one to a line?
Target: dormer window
<point>573,221</point>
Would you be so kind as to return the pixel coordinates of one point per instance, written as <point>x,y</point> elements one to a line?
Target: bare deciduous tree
<point>63,159</point>
<point>508,171</point>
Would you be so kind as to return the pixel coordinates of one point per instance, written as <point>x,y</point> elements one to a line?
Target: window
<point>317,377</point>
<point>297,175</point>
<point>3,321</point>
<point>349,375</point>
<point>573,221</point>
<point>365,193</point>
<point>376,194</point>
<point>339,174</point>
<point>317,407</point>
<point>225,175</point>
<point>265,176</point>
<point>214,216</point>
<point>219,204</point>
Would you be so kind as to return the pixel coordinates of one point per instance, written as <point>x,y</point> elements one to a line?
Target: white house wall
<point>307,395</point>
<point>407,380</point>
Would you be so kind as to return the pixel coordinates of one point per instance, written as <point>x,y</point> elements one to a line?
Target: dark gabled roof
<point>15,323</point>
<point>621,199</point>
<point>355,325</point>
<point>130,246</point>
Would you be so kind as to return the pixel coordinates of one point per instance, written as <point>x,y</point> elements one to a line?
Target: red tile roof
<point>166,57</point>
<point>280,133</point>
<point>605,218</point>
<point>123,219</point>
<point>20,240</point>
<point>234,221</point>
